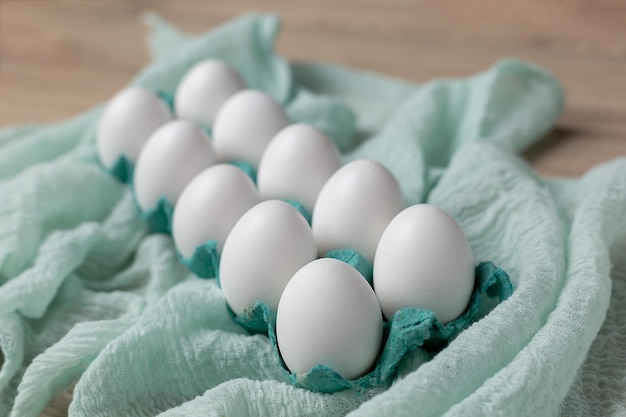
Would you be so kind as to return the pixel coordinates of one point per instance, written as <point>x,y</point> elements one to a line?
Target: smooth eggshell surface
<point>203,90</point>
<point>355,206</point>
<point>245,125</point>
<point>209,207</point>
<point>329,315</point>
<point>264,249</point>
<point>173,155</point>
<point>296,164</point>
<point>424,260</point>
<point>128,120</point>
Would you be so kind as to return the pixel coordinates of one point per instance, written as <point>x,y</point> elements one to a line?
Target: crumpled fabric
<point>88,295</point>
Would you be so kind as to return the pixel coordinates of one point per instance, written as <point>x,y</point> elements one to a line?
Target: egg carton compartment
<point>159,217</point>
<point>254,319</point>
<point>204,262</point>
<point>409,329</point>
<point>205,259</point>
<point>122,169</point>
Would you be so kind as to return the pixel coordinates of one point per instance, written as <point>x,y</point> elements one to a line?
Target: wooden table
<point>61,57</point>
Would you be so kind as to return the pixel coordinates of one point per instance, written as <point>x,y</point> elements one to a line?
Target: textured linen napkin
<point>87,294</point>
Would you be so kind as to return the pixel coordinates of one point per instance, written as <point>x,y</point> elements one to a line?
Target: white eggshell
<point>203,90</point>
<point>173,155</point>
<point>355,206</point>
<point>209,207</point>
<point>245,124</point>
<point>424,260</point>
<point>264,249</point>
<point>128,120</point>
<point>329,315</point>
<point>296,164</point>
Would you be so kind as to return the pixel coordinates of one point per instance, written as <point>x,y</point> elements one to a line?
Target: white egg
<point>128,120</point>
<point>296,164</point>
<point>209,207</point>
<point>203,90</point>
<point>173,155</point>
<point>329,315</point>
<point>245,124</point>
<point>355,206</point>
<point>424,260</point>
<point>264,249</point>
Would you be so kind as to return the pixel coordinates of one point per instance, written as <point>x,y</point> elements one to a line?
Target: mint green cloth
<point>88,295</point>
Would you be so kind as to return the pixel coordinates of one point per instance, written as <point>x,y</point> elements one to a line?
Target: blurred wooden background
<point>60,57</point>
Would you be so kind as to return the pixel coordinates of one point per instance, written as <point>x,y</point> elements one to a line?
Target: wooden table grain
<point>61,57</point>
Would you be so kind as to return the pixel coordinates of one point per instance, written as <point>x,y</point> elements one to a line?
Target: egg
<point>128,120</point>
<point>424,260</point>
<point>245,125</point>
<point>264,249</point>
<point>203,90</point>
<point>209,207</point>
<point>354,207</point>
<point>329,315</point>
<point>173,155</point>
<point>296,164</point>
